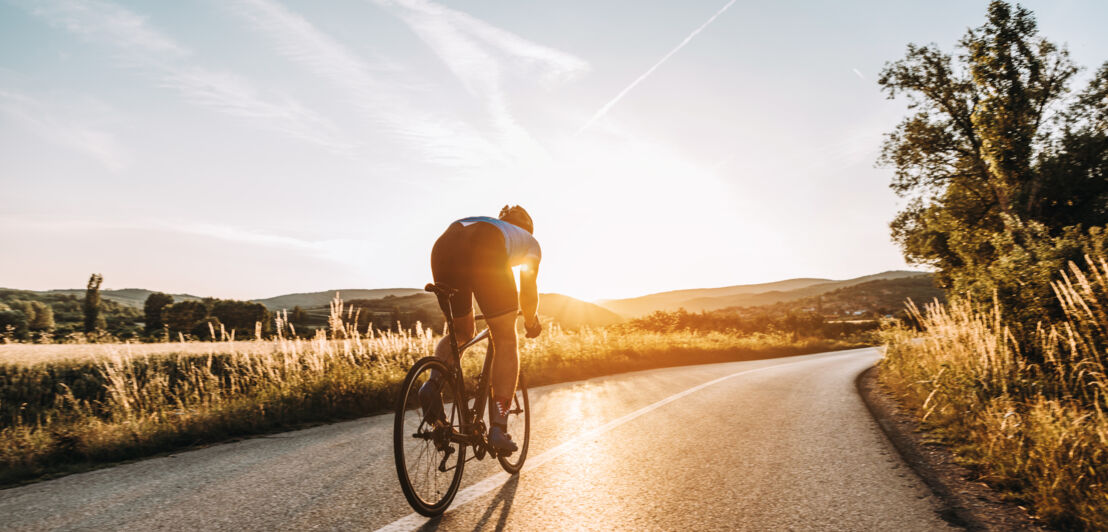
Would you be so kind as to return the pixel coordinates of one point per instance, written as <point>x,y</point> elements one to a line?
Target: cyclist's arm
<point>529,291</point>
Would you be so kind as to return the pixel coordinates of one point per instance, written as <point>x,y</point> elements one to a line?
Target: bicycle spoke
<point>428,462</point>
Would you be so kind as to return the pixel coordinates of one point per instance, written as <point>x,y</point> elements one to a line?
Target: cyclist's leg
<point>449,266</point>
<point>494,286</point>
<point>463,331</point>
<point>498,292</point>
<point>505,368</point>
<point>430,393</point>
<point>505,372</point>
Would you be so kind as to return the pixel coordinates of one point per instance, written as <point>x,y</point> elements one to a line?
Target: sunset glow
<point>251,148</point>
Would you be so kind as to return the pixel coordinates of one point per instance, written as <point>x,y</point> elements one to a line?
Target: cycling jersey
<point>522,248</point>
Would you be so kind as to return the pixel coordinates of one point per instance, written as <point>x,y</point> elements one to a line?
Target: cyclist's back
<point>475,256</point>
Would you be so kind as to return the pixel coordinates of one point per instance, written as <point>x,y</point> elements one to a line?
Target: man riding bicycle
<point>475,256</point>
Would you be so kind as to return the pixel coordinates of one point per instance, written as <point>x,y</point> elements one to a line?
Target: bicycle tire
<point>521,407</point>
<point>413,453</point>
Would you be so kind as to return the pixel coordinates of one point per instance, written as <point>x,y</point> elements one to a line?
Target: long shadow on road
<point>502,500</point>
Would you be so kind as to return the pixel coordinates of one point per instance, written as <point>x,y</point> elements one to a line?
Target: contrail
<point>608,106</point>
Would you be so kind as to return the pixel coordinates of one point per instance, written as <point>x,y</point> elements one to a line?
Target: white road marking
<point>413,520</point>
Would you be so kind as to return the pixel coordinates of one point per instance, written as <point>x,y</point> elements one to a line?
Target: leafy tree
<point>91,305</point>
<point>1005,171</point>
<point>152,311</point>
<point>241,315</point>
<point>185,316</point>
<point>298,316</point>
<point>41,318</point>
<point>207,328</point>
<point>13,324</point>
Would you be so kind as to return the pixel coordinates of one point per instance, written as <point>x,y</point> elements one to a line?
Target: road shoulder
<point>968,503</point>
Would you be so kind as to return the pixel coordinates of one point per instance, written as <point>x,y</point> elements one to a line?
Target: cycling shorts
<point>474,261</point>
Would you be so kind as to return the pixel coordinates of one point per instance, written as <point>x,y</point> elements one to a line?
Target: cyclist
<point>475,256</point>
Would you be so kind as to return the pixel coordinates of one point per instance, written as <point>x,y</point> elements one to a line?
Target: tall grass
<point>63,412</point>
<point>1030,418</point>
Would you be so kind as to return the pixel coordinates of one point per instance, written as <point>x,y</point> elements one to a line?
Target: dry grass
<point>66,407</point>
<point>1031,419</point>
<point>31,354</point>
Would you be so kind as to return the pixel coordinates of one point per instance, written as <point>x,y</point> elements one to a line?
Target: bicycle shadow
<point>502,500</point>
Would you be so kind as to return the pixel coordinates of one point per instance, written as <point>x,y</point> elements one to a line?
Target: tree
<point>13,325</point>
<point>298,316</point>
<point>241,315</point>
<point>185,316</point>
<point>92,305</point>
<point>41,318</point>
<point>1004,171</point>
<point>152,311</point>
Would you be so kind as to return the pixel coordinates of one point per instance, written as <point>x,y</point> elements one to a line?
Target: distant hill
<point>696,300</point>
<point>131,297</point>
<point>874,298</point>
<point>322,299</point>
<point>573,313</point>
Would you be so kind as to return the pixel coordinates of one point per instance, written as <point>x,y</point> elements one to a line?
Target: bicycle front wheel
<point>428,464</point>
<point>519,426</point>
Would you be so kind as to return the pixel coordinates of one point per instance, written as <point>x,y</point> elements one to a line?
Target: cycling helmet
<point>517,216</point>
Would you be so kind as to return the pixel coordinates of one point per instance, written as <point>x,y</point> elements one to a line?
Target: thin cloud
<point>45,122</point>
<point>473,50</point>
<point>443,141</point>
<point>104,21</point>
<point>142,47</point>
<point>339,250</point>
<point>232,95</point>
<point>608,106</point>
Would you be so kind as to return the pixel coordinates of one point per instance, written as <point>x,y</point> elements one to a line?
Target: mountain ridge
<point>741,295</point>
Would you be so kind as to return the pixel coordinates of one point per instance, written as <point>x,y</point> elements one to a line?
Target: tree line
<point>206,319</point>
<point>30,316</point>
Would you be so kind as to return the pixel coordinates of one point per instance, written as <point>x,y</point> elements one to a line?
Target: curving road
<point>771,444</point>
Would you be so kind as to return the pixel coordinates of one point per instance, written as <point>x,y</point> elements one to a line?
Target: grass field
<point>70,407</point>
<point>1032,420</point>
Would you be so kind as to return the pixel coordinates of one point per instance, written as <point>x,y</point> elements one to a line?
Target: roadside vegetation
<point>69,407</point>
<point>1004,169</point>
<point>1030,417</point>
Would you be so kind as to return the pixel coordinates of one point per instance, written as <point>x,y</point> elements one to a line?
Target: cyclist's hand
<point>533,327</point>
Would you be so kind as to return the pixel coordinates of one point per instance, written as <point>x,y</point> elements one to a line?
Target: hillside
<point>872,298</point>
<point>696,300</point>
<point>65,315</point>
<point>131,297</point>
<point>573,313</point>
<point>322,299</point>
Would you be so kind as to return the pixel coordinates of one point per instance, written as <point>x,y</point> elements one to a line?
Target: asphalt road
<point>783,444</point>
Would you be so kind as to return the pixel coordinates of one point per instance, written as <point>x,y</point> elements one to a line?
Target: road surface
<point>764,445</point>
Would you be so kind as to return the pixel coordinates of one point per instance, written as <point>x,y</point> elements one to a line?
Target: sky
<point>250,148</point>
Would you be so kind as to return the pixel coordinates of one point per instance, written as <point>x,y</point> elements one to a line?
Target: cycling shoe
<point>501,441</point>
<point>430,399</point>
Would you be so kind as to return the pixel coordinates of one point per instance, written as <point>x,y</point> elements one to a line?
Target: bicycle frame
<point>474,415</point>
<point>471,424</point>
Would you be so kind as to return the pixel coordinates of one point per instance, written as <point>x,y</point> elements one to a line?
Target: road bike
<point>430,457</point>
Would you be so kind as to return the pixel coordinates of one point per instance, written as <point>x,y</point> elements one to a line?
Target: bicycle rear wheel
<point>519,425</point>
<point>428,464</point>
